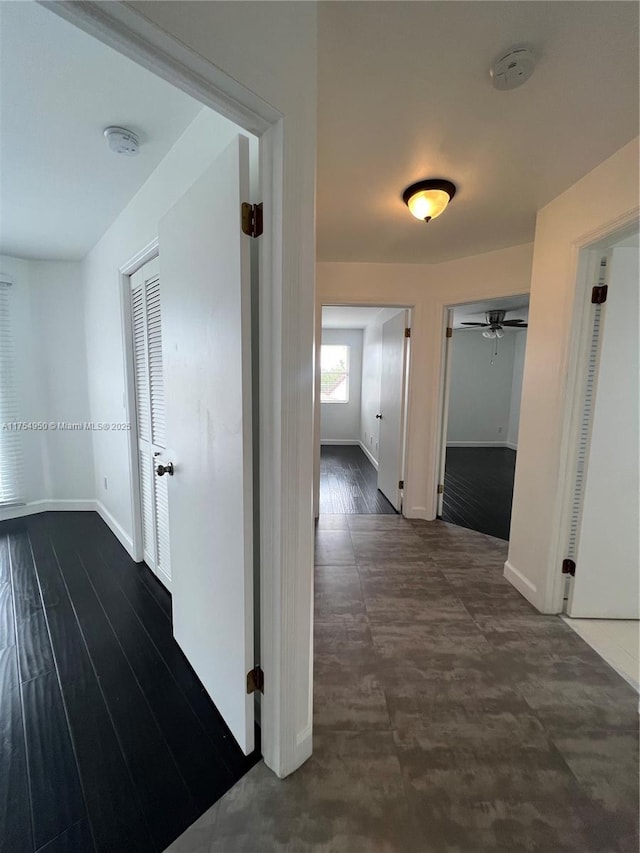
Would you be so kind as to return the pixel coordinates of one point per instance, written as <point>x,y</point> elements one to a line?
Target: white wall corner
<point>368,454</point>
<point>521,583</point>
<point>117,529</point>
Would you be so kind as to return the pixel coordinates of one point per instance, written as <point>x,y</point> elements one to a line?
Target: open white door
<point>206,336</point>
<point>392,404</point>
<point>444,423</point>
<point>606,580</point>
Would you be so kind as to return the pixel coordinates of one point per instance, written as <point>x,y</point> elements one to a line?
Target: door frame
<point>282,556</point>
<point>444,383</point>
<point>587,252</point>
<point>361,303</point>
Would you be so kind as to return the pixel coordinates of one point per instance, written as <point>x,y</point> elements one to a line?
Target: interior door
<point>606,579</point>
<point>392,403</point>
<point>205,273</point>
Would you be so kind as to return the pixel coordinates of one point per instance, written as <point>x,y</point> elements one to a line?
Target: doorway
<point>484,363</point>
<point>362,375</point>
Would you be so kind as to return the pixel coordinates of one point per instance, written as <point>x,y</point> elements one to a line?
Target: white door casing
<point>206,330</point>
<point>446,389</point>
<point>146,318</point>
<point>392,408</point>
<point>607,559</point>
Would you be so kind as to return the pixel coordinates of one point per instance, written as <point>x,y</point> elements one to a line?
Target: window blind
<point>11,450</point>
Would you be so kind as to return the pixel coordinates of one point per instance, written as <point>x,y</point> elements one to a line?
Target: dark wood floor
<point>108,741</point>
<point>478,488</point>
<point>349,482</point>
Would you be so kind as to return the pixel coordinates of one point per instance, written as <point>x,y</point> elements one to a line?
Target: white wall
<point>599,203</point>
<point>428,289</point>
<point>520,345</point>
<point>134,229</point>
<point>340,422</point>
<point>480,392</point>
<point>51,362</point>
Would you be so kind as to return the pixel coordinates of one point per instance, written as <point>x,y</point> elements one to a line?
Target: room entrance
<point>362,370</point>
<point>484,358</point>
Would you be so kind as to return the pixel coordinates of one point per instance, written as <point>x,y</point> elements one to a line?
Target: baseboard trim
<point>34,507</point>
<point>164,579</point>
<point>522,584</point>
<point>369,455</point>
<point>338,441</point>
<point>511,445</point>
<point>117,529</point>
<point>478,444</point>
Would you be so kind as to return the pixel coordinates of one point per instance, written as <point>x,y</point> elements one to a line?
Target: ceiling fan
<point>495,324</point>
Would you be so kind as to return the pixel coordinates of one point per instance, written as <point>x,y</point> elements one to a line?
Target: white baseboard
<point>116,528</point>
<point>522,584</point>
<point>477,444</point>
<point>511,445</point>
<point>34,507</point>
<point>369,455</point>
<point>332,441</point>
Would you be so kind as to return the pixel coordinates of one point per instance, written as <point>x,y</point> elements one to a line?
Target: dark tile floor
<point>450,716</point>
<point>108,741</point>
<point>478,488</point>
<point>349,482</point>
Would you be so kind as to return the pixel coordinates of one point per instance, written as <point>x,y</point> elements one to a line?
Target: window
<point>334,373</point>
<point>11,459</point>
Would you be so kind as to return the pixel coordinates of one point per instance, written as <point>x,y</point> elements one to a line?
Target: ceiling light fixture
<point>122,141</point>
<point>428,199</point>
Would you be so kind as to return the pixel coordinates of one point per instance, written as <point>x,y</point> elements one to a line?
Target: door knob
<point>379,417</point>
<point>161,470</point>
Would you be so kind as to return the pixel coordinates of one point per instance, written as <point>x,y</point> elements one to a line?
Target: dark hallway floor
<point>349,482</point>
<point>478,488</point>
<point>449,715</point>
<point>108,741</point>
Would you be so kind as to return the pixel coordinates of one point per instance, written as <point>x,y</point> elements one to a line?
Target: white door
<point>204,264</point>
<point>392,400</point>
<point>446,388</point>
<point>150,416</point>
<point>607,560</point>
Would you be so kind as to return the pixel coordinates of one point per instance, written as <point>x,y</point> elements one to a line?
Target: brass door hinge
<point>401,484</point>
<point>440,489</point>
<point>255,680</point>
<point>407,333</point>
<point>252,223</point>
<point>449,332</point>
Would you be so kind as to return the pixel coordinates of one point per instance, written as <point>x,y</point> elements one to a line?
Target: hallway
<point>108,741</point>
<point>349,482</point>
<point>449,715</point>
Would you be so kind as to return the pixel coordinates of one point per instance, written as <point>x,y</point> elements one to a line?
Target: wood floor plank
<point>349,483</point>
<point>76,839</point>
<point>55,791</point>
<point>15,809</point>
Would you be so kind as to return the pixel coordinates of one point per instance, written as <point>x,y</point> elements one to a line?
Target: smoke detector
<point>122,141</point>
<point>513,68</point>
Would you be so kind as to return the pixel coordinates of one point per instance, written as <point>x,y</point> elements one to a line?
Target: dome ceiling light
<point>428,199</point>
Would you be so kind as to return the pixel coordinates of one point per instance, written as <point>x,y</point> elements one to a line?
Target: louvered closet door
<point>150,412</point>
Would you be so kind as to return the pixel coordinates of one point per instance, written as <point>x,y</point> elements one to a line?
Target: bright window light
<point>334,373</point>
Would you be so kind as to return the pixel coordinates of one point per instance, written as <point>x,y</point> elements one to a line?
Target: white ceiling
<point>517,308</point>
<point>404,94</point>
<point>61,186</point>
<point>347,317</point>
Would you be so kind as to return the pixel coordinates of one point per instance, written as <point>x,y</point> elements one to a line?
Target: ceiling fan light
<point>428,199</point>
<point>499,333</point>
<point>488,333</point>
